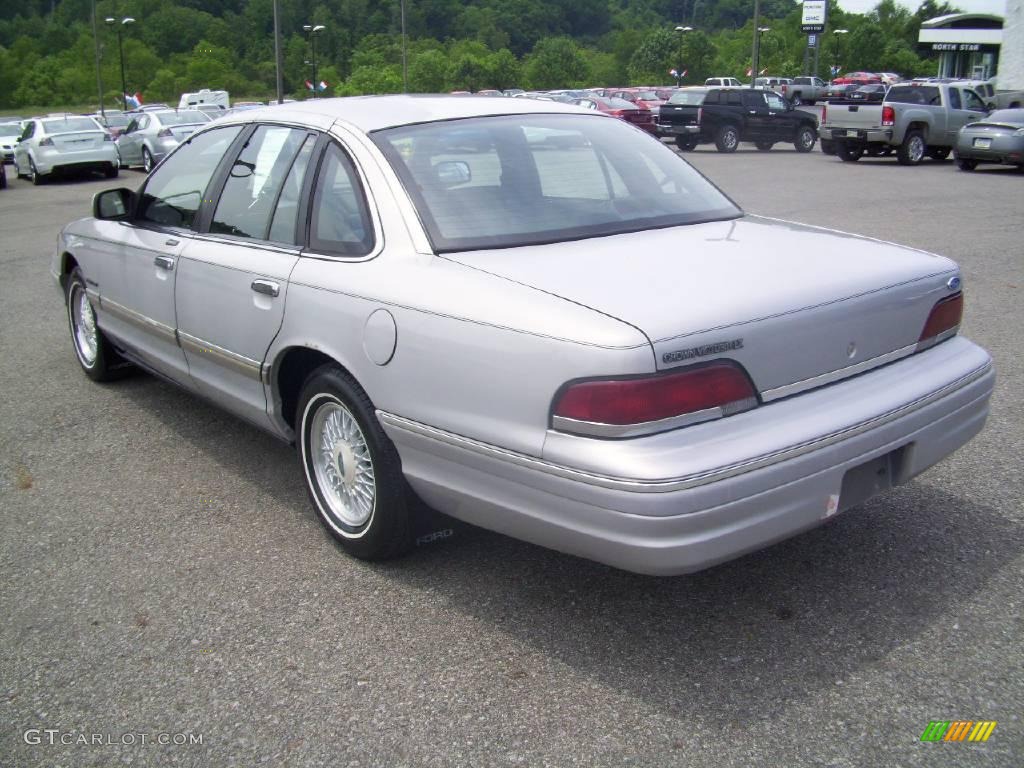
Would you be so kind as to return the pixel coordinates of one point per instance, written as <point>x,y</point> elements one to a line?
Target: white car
<point>72,142</point>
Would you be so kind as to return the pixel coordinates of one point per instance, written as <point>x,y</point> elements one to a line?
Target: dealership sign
<point>815,13</point>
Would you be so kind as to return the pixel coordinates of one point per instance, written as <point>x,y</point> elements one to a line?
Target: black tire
<point>727,138</point>
<point>913,148</point>
<point>111,171</point>
<point>939,154</point>
<point>764,146</point>
<point>966,165</point>
<point>828,146</point>
<point>874,150</point>
<point>17,170</point>
<point>104,364</point>
<point>3,176</point>
<point>849,153</point>
<point>330,393</point>
<point>147,160</point>
<point>685,143</point>
<point>805,138</point>
<point>34,176</point>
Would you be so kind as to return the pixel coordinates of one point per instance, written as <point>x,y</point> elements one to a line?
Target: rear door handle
<point>170,241</point>
<point>164,262</point>
<point>267,287</point>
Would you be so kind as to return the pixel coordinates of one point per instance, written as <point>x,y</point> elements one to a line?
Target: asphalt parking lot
<point>163,572</point>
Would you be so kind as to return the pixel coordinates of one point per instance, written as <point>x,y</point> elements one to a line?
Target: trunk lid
<point>75,141</point>
<point>182,132</point>
<point>679,114</point>
<point>788,301</point>
<point>854,116</point>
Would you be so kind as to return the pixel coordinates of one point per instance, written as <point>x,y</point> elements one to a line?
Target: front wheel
<point>912,150</point>
<point>966,165</point>
<point>828,147</point>
<point>727,138</point>
<point>352,470</point>
<point>805,138</point>
<point>110,171</point>
<point>98,359</point>
<point>685,143</point>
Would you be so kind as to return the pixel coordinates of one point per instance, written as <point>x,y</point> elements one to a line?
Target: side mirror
<point>112,204</point>
<point>453,172</point>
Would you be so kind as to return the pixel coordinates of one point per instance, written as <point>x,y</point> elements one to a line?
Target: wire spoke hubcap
<point>83,322</point>
<point>342,464</point>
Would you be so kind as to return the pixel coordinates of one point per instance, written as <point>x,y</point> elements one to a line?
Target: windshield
<point>183,117</point>
<point>499,182</point>
<point>117,121</point>
<point>647,95</point>
<point>67,125</point>
<point>688,98</point>
<point>10,129</point>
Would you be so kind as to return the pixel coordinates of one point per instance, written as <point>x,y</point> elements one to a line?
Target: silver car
<point>9,135</point>
<point>534,317</point>
<point>150,136</point>
<point>998,138</point>
<point>72,142</point>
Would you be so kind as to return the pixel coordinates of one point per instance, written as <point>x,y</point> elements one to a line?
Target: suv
<point>731,115</point>
<point>807,90</point>
<point>777,84</point>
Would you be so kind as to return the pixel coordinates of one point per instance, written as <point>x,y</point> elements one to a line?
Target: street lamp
<point>679,71</point>
<point>757,55</point>
<point>838,51</point>
<point>312,30</point>
<point>405,61</point>
<point>120,50</point>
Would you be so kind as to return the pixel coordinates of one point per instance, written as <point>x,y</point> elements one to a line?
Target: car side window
<point>747,98</point>
<point>341,217</point>
<point>774,101</point>
<point>30,129</point>
<point>175,190</point>
<point>954,99</point>
<point>285,223</point>
<point>972,100</point>
<point>255,181</point>
<point>131,126</point>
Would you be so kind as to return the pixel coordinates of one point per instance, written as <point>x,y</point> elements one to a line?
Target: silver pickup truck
<point>916,119</point>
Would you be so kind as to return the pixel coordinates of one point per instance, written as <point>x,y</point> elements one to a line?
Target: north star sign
<point>815,13</point>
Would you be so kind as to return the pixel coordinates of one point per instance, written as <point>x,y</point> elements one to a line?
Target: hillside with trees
<point>47,53</point>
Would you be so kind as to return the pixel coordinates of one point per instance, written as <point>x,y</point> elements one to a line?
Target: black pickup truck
<point>728,116</point>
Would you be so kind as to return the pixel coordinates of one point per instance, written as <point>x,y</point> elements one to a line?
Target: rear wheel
<point>966,165</point>
<point>764,146</point>
<point>727,138</point>
<point>805,138</point>
<point>849,153</point>
<point>828,147</point>
<point>111,171</point>
<point>352,470</point>
<point>912,150</point>
<point>34,176</point>
<point>939,154</point>
<point>147,160</point>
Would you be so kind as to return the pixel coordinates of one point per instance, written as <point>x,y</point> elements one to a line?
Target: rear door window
<point>341,216</point>
<point>971,100</point>
<point>913,94</point>
<point>954,99</point>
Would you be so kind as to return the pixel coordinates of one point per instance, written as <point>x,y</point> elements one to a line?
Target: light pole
<point>312,30</point>
<point>277,57</point>
<point>757,53</point>
<point>96,47</point>
<point>120,50</point>
<point>756,45</point>
<point>679,71</point>
<point>838,51</point>
<point>405,61</point>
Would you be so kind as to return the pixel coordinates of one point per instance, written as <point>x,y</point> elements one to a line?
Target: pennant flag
<point>750,71</point>
<point>133,100</point>
<point>309,86</point>
<point>763,71</point>
<point>684,73</point>
<point>322,86</point>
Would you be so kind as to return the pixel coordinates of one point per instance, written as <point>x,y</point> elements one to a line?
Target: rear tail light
<point>943,321</point>
<point>888,115</point>
<point>700,113</point>
<point>164,134</point>
<point>824,113</point>
<point>108,137</point>
<point>649,404</point>
<point>47,142</point>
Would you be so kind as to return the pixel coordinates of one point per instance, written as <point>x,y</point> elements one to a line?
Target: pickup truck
<point>728,116</point>
<point>807,90</point>
<point>915,119</point>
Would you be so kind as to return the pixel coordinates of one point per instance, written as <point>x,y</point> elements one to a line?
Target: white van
<point>204,96</point>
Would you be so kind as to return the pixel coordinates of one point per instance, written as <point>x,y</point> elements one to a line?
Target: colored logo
<point>958,730</point>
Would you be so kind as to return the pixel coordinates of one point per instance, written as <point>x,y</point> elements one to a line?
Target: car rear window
<point>10,129</point>
<point>71,124</point>
<point>688,98</point>
<point>913,94</point>
<point>514,180</point>
<point>183,117</point>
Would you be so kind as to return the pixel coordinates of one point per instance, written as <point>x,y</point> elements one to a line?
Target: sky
<point>969,6</point>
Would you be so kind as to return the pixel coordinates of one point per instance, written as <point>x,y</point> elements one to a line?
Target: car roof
<point>372,113</point>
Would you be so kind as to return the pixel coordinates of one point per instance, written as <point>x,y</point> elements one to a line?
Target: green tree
<point>557,62</point>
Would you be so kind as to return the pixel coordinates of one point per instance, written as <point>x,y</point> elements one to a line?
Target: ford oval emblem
<point>953,284</point>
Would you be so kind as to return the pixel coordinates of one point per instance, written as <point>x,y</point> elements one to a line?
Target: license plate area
<point>983,143</point>
<point>869,479</point>
<point>852,134</point>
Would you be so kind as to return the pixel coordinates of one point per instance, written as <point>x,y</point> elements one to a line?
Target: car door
<point>781,119</point>
<point>22,147</point>
<point>128,144</point>
<point>756,114</point>
<point>232,278</point>
<point>137,292</point>
<point>973,110</point>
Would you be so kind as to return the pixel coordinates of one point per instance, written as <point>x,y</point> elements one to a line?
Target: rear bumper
<point>667,129</point>
<point>99,157</point>
<point>857,135</point>
<point>687,523</point>
<point>999,150</point>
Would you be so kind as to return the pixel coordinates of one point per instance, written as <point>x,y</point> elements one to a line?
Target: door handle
<point>266,287</point>
<point>164,262</point>
<point>753,111</point>
<point>170,241</point>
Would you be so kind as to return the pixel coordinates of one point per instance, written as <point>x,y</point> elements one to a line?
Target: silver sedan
<point>999,138</point>
<point>533,317</point>
<point>151,135</point>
